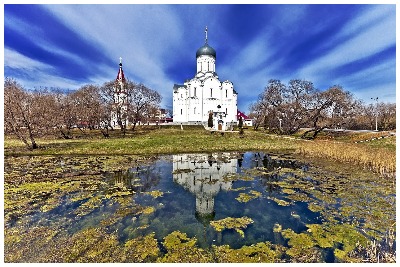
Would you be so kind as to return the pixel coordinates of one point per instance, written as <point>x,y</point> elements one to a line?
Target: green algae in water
<point>263,252</point>
<point>181,248</point>
<point>232,223</point>
<point>318,208</point>
<point>243,197</point>
<point>155,193</point>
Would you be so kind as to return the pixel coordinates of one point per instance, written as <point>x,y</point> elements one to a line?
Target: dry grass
<point>379,160</point>
<point>369,136</point>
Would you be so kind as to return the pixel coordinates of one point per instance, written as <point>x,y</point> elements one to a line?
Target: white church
<point>204,94</point>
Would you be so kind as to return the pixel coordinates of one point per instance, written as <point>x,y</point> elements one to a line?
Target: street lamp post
<point>376,113</point>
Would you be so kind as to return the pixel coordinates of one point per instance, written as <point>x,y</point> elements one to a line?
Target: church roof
<point>120,75</point>
<point>241,114</point>
<point>206,50</point>
<point>177,86</point>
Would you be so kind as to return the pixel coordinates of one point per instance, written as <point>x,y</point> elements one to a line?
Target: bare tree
<point>113,106</point>
<point>28,115</point>
<point>141,100</point>
<point>266,109</point>
<point>86,105</point>
<point>287,108</point>
<point>66,114</point>
<point>333,108</point>
<point>386,116</point>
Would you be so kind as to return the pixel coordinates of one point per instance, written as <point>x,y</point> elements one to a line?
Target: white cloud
<point>32,72</point>
<point>145,37</point>
<point>361,45</point>
<point>372,15</point>
<point>15,60</point>
<point>38,36</point>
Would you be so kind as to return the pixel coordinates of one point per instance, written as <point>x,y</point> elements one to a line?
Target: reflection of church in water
<point>203,175</point>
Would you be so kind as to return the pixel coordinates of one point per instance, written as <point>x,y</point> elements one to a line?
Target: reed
<point>369,136</point>
<point>379,160</point>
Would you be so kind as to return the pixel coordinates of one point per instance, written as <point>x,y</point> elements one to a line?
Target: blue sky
<point>67,46</point>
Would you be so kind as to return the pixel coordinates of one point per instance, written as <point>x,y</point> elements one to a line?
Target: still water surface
<point>188,192</point>
<point>197,189</point>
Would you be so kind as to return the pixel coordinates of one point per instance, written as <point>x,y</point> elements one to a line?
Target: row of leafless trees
<point>32,114</point>
<point>287,108</point>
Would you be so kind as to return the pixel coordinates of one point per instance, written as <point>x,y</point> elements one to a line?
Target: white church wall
<point>204,93</point>
<point>205,64</point>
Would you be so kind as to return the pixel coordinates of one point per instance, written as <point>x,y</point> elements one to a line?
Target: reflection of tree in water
<point>139,179</point>
<point>272,165</point>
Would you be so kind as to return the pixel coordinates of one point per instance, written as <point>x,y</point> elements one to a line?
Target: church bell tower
<point>120,106</point>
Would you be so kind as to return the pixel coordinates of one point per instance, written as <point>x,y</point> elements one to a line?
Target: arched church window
<point>194,111</point>
<point>181,112</point>
<point>226,93</point>
<point>195,91</point>
<point>211,92</point>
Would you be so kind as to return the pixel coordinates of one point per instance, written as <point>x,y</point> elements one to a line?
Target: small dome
<point>206,50</point>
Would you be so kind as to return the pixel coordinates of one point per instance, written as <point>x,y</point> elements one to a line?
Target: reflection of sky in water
<point>195,193</point>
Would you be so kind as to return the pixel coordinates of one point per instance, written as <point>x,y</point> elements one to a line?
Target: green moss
<point>301,247</point>
<point>155,193</point>
<point>232,223</point>
<point>148,210</point>
<point>277,228</point>
<point>238,189</point>
<point>324,236</point>
<point>93,245</point>
<point>181,248</point>
<point>263,252</point>
<point>118,194</point>
<point>35,196</point>
<point>243,197</point>
<point>315,207</point>
<point>89,206</point>
<point>142,249</point>
<point>280,202</point>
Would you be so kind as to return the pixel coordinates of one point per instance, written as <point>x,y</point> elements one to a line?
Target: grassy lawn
<point>157,141</point>
<point>377,155</point>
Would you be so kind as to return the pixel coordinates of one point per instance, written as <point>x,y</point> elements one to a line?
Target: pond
<point>219,203</point>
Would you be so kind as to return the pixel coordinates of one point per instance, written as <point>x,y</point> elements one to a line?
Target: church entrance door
<point>219,126</point>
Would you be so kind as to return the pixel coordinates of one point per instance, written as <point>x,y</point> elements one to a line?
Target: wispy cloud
<point>71,45</point>
<point>360,45</point>
<point>15,60</point>
<point>127,31</point>
<point>29,72</point>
